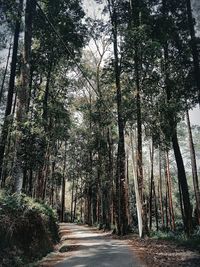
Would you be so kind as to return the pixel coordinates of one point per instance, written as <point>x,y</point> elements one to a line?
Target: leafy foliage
<point>28,229</point>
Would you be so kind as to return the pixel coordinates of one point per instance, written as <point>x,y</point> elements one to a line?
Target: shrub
<point>28,229</point>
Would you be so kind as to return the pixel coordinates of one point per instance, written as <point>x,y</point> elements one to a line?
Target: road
<point>89,248</point>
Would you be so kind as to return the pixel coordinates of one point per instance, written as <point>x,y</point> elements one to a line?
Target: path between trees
<point>82,246</point>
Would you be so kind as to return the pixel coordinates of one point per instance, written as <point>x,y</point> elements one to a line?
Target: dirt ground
<point>156,253</point>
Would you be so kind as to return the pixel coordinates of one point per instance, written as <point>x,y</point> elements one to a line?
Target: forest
<point>97,100</point>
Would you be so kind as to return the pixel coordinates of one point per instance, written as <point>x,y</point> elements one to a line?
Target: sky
<point>93,10</point>
<point>195,116</point>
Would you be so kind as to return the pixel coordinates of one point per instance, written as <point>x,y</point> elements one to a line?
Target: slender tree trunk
<point>169,184</point>
<point>46,173</point>
<point>194,167</point>
<point>183,184</point>
<point>127,187</point>
<point>5,72</point>
<point>25,178</point>
<point>89,189</point>
<point>155,206</point>
<point>72,200</point>
<point>151,186</point>
<point>5,127</point>
<point>63,186</point>
<point>46,96</point>
<point>138,199</point>
<point>122,219</point>
<point>94,206</point>
<point>89,205</point>
<point>81,209</point>
<point>30,193</point>
<point>111,177</point>
<point>23,93</point>
<point>53,166</point>
<point>160,190</point>
<point>135,21</point>
<point>179,160</point>
<point>166,202</point>
<point>181,204</point>
<point>99,188</point>
<point>75,201</point>
<point>193,44</point>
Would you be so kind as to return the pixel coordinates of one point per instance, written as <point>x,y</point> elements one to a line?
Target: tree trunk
<point>179,160</point>
<point>166,203</point>
<point>183,184</point>
<point>81,208</point>
<point>194,167</point>
<point>193,45</point>
<point>72,199</point>
<point>138,199</point>
<point>5,127</point>
<point>169,185</point>
<point>63,186</point>
<point>23,93</point>
<point>46,96</point>
<point>122,219</point>
<point>155,206</point>
<point>151,185</point>
<point>127,187</point>
<point>30,193</point>
<point>75,201</point>
<point>135,21</point>
<point>5,72</point>
<point>111,177</point>
<point>160,190</point>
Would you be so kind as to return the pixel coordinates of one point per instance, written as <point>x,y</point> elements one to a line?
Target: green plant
<point>27,227</point>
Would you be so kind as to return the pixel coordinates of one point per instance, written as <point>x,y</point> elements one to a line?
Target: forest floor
<point>164,253</point>
<point>85,246</point>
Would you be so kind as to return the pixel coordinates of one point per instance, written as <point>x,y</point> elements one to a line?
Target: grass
<point>179,238</point>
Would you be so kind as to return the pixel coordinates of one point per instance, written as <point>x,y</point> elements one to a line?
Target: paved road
<point>92,249</point>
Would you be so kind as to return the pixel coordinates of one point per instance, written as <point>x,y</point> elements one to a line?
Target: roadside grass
<point>179,238</point>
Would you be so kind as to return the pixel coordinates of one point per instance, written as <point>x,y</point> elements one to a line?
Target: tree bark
<point>63,186</point>
<point>122,218</point>
<point>23,94</point>
<point>160,190</point>
<point>155,206</point>
<point>5,127</point>
<point>193,45</point>
<point>179,160</point>
<point>5,72</point>
<point>151,185</point>
<point>169,185</point>
<point>183,184</point>
<point>137,195</point>
<point>194,167</point>
<point>72,199</point>
<point>111,176</point>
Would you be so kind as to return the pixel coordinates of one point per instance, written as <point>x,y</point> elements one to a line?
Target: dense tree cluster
<point>95,107</point>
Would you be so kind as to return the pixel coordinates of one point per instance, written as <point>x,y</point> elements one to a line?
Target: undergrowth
<point>179,238</point>
<point>28,229</point>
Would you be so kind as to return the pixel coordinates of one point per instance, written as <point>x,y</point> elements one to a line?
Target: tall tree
<point>9,103</point>
<point>23,94</point>
<point>122,219</point>
<point>194,167</point>
<point>193,45</point>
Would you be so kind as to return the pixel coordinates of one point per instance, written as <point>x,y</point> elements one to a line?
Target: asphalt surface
<point>95,249</point>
